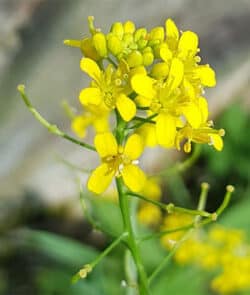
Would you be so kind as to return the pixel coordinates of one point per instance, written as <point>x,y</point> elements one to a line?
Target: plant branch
<point>51,127</point>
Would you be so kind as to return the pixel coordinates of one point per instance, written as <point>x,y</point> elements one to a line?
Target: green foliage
<point>235,158</point>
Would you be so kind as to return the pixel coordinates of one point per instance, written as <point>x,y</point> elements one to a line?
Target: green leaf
<point>180,280</point>
<point>107,214</point>
<point>237,216</point>
<point>60,248</point>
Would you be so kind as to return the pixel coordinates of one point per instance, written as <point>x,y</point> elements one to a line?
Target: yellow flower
<point>185,48</point>
<point>164,98</point>
<point>203,133</point>
<point>91,116</point>
<point>107,87</point>
<point>117,161</point>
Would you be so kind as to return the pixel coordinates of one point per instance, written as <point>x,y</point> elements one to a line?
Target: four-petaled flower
<point>117,161</point>
<point>109,87</point>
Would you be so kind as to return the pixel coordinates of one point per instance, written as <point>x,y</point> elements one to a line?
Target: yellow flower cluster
<point>154,82</point>
<point>222,250</point>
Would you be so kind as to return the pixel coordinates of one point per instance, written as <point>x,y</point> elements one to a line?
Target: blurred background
<point>41,224</point>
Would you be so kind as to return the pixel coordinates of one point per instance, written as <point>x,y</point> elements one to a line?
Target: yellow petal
<point>188,88</point>
<point>106,144</point>
<point>193,114</point>
<point>134,147</point>
<point>171,29</point>
<point>100,179</point>
<point>165,53</point>
<point>90,95</point>
<point>165,130</point>
<point>206,75</point>
<point>203,105</point>
<point>175,74</point>
<point>133,177</point>
<point>126,107</point>
<point>188,44</point>
<point>143,85</point>
<point>148,133</point>
<point>90,67</point>
<point>217,141</point>
<point>142,101</point>
<point>101,124</point>
<point>79,125</point>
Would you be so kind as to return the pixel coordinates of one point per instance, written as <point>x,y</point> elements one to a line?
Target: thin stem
<point>189,162</point>
<point>201,206</point>
<point>131,240</point>
<point>165,232</point>
<point>96,225</point>
<point>171,208</point>
<point>51,127</point>
<point>112,62</point>
<point>142,108</point>
<point>156,203</point>
<point>147,120</point>
<point>227,198</point>
<point>87,268</point>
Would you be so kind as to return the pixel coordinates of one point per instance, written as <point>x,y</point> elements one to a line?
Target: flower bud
<point>134,59</point>
<point>100,45</point>
<point>148,58</point>
<point>157,33</point>
<point>140,34</point>
<point>160,70</point>
<point>127,39</point>
<point>117,29</point>
<point>129,27</point>
<point>88,49</point>
<point>114,44</point>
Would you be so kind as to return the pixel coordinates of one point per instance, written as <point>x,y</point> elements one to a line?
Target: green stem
<point>51,127</point>
<point>156,203</point>
<point>170,208</point>
<point>147,120</point>
<point>201,206</point>
<point>131,240</point>
<point>226,200</point>
<point>87,268</point>
<point>112,62</point>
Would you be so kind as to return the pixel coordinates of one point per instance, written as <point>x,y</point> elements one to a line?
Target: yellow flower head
<point>203,133</point>
<point>117,161</point>
<point>108,88</point>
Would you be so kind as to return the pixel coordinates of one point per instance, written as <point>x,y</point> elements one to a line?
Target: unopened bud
<point>99,42</point>
<point>134,59</point>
